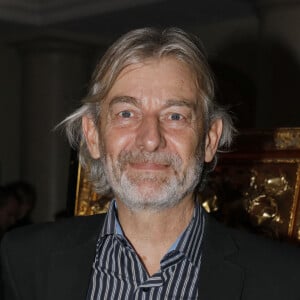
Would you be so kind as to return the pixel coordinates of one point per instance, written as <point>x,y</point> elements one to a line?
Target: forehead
<point>160,78</point>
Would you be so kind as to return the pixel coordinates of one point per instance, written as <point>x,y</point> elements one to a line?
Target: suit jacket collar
<point>70,267</point>
<point>220,277</point>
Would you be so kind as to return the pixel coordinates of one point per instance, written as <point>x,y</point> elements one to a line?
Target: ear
<point>212,140</point>
<point>91,136</point>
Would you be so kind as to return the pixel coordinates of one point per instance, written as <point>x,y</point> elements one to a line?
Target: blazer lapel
<point>69,273</point>
<point>220,277</point>
<point>70,267</point>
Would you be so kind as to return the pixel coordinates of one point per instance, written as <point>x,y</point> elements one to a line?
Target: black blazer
<point>53,262</point>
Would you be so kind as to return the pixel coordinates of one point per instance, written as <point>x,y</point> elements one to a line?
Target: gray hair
<point>135,47</point>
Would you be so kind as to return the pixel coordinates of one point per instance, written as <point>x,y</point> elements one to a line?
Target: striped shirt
<point>117,272</point>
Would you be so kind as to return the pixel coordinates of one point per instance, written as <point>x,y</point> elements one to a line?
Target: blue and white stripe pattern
<point>119,274</point>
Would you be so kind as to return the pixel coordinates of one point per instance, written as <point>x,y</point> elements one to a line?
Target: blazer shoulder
<point>31,255</point>
<point>247,266</point>
<point>244,239</point>
<point>252,250</point>
<point>67,232</point>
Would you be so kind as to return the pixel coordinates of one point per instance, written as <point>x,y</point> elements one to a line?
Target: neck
<point>152,233</point>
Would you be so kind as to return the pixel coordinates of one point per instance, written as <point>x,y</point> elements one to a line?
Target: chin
<point>153,191</point>
<point>150,206</point>
<point>151,197</point>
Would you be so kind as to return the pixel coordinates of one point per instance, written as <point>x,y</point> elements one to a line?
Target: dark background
<point>49,48</point>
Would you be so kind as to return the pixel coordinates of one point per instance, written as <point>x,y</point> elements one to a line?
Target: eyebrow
<point>169,103</point>
<point>123,99</point>
<point>180,102</point>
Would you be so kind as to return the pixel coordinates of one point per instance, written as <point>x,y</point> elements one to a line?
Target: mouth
<point>149,166</point>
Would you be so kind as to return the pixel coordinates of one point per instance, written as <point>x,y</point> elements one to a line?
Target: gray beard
<point>161,192</point>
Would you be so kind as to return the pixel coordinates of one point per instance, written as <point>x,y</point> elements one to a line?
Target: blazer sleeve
<point>7,284</point>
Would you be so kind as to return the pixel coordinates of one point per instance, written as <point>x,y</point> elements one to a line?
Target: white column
<point>55,75</point>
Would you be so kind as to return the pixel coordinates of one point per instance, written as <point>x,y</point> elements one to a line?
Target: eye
<point>175,117</point>
<point>125,114</point>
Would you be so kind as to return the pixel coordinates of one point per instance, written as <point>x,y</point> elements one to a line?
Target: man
<point>25,195</point>
<point>148,131</point>
<point>9,208</point>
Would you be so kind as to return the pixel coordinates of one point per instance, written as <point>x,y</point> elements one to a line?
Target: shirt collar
<point>109,226</point>
<point>189,243</point>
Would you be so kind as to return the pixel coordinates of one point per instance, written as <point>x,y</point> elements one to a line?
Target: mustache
<point>161,158</point>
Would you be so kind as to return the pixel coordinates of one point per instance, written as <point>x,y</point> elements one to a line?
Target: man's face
<point>151,135</point>
<point>8,214</point>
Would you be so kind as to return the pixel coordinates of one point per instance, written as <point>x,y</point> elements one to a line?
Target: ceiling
<point>103,20</point>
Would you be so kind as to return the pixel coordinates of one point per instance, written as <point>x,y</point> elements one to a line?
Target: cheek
<point>117,140</point>
<point>185,144</point>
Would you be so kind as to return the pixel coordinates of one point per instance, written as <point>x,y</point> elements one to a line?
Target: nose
<point>149,136</point>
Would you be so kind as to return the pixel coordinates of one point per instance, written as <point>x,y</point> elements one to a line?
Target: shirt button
<point>145,289</point>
